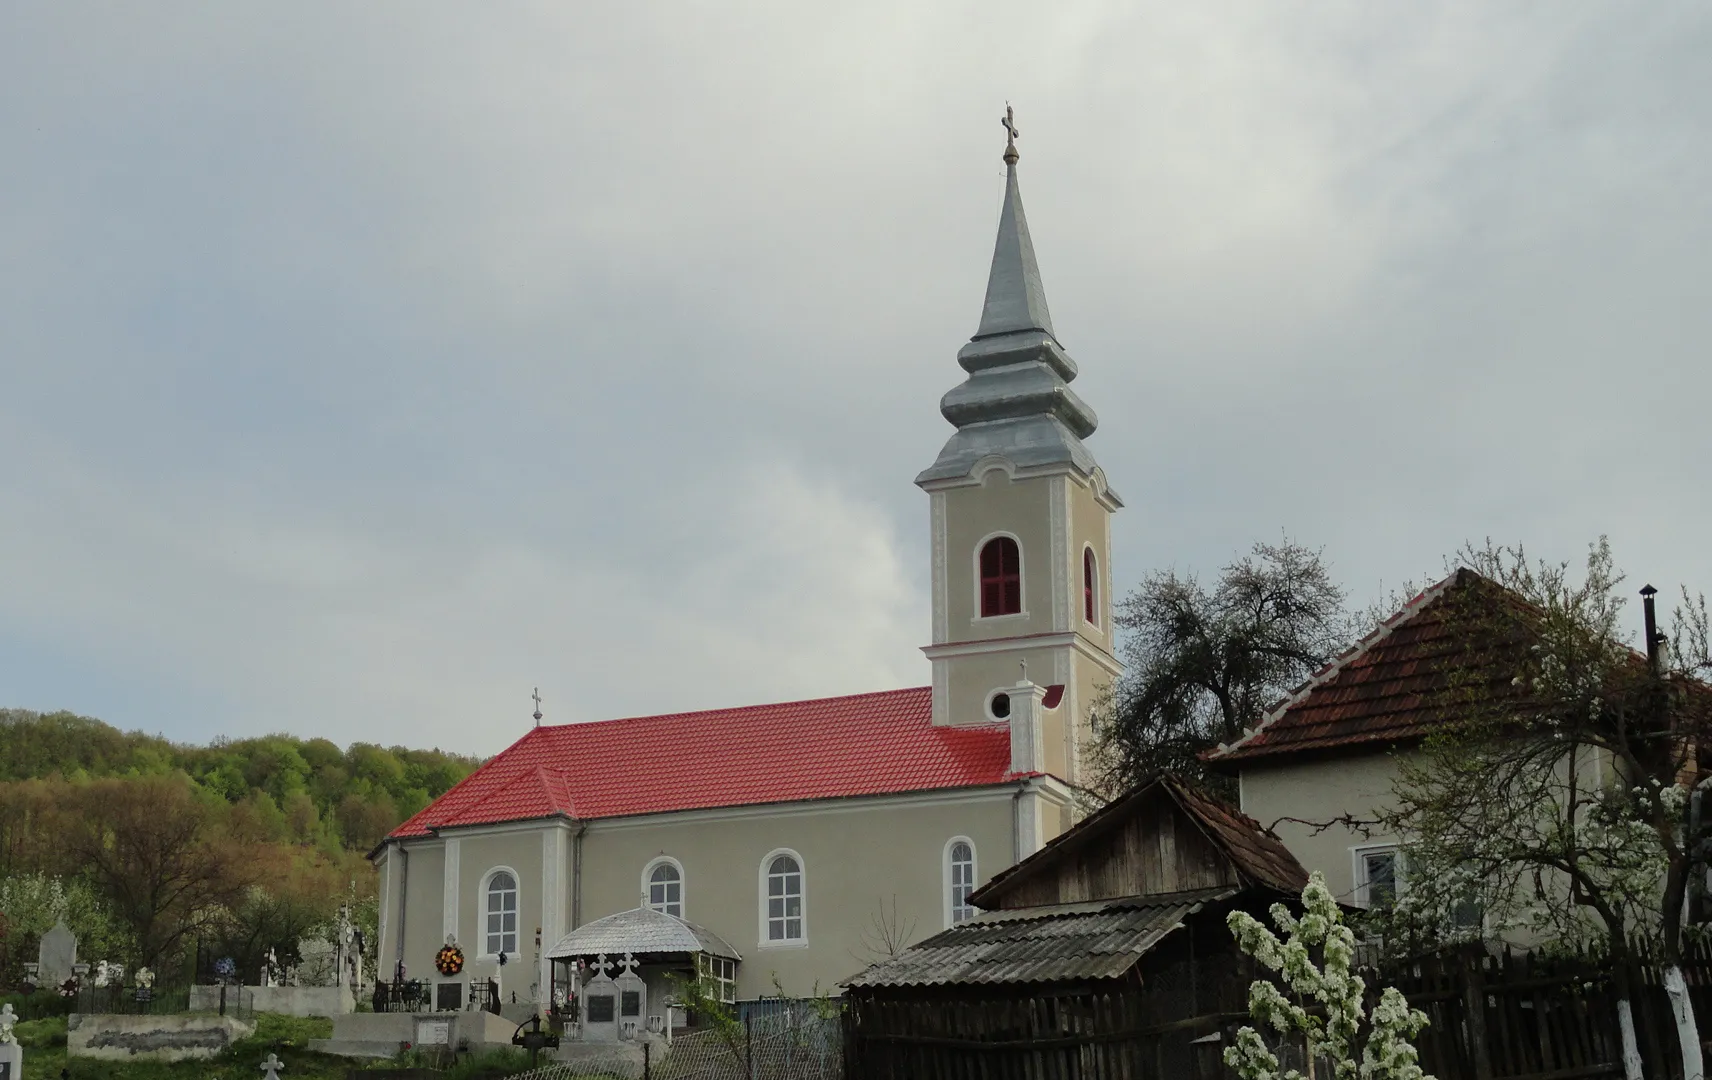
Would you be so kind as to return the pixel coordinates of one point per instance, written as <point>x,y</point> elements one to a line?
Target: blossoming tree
<point>1358,1045</point>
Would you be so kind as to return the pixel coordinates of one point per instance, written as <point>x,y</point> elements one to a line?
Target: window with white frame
<point>784,899</point>
<point>718,977</point>
<point>501,914</point>
<point>1378,876</point>
<point>665,887</point>
<point>959,879</point>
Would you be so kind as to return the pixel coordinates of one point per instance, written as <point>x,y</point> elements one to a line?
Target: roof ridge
<point>732,709</point>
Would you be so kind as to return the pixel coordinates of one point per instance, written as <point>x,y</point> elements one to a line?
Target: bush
<point>40,1034</point>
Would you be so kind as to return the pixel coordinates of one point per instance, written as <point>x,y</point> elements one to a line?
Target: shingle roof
<point>640,930</point>
<point>864,744</point>
<point>1098,940</point>
<point>1401,682</point>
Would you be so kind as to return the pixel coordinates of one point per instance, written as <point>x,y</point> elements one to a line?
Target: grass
<point>288,1036</point>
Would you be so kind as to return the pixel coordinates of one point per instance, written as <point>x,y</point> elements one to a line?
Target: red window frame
<point>1001,577</point>
<point>1088,584</point>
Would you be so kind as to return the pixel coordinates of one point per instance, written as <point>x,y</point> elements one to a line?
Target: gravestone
<point>600,1004</point>
<point>272,1066</point>
<point>57,955</point>
<point>11,1054</point>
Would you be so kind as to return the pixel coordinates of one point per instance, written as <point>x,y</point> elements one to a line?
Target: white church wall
<point>857,854</point>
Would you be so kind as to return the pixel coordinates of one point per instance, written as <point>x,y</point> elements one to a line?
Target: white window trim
<point>761,904</point>
<point>481,927</point>
<point>1022,578</point>
<point>1099,594</point>
<point>945,873</point>
<point>1358,866</point>
<point>1001,692</point>
<point>647,872</point>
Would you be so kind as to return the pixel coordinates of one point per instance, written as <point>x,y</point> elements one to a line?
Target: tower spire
<point>1016,403</point>
<point>1016,297</point>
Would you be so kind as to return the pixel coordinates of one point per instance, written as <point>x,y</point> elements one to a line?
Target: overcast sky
<point>364,366</point>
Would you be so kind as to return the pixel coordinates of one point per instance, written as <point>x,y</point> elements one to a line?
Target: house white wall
<point>1320,790</point>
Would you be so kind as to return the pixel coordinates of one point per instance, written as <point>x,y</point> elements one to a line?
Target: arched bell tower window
<point>1001,577</point>
<point>1090,574</point>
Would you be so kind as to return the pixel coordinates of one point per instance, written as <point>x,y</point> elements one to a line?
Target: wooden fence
<point>1510,1016</point>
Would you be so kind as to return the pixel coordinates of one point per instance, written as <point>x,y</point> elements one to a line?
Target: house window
<point>664,887</point>
<point>718,977</point>
<point>959,880</point>
<point>784,899</point>
<point>1001,577</point>
<point>1378,876</point>
<point>1088,578</point>
<point>501,914</point>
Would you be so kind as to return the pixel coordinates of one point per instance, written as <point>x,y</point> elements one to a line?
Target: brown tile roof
<point>1403,681</point>
<point>1463,641</point>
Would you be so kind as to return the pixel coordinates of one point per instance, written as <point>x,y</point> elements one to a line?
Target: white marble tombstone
<point>11,1054</point>
<point>632,999</point>
<point>600,1004</point>
<point>57,955</point>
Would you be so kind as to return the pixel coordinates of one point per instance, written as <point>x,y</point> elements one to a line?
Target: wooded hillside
<point>155,852</point>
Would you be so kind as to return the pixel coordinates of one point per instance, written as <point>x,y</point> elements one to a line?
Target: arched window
<point>782,914</point>
<point>1089,576</point>
<point>959,879</point>
<point>501,914</point>
<point>664,884</point>
<point>1001,577</point>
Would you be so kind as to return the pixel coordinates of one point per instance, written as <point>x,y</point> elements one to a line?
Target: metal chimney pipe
<point>1654,638</point>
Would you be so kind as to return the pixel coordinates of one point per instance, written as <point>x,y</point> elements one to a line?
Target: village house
<point>782,836</point>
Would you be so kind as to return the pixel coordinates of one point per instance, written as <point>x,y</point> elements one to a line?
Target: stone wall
<point>151,1038</point>
<point>329,1001</point>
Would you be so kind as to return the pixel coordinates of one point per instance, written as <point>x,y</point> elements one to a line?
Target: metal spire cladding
<point>1016,403</point>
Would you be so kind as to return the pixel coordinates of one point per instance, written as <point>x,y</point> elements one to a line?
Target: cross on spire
<point>1011,133</point>
<point>537,696</point>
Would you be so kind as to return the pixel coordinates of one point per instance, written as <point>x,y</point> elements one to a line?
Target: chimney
<point>1654,638</point>
<point>1028,735</point>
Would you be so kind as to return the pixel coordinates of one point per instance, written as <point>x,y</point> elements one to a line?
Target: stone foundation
<point>381,1035</point>
<point>111,1037</point>
<point>328,1001</point>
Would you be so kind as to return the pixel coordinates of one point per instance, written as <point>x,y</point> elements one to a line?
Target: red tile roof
<point>1399,683</point>
<point>865,744</point>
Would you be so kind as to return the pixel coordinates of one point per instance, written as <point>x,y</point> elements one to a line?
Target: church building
<point>793,844</point>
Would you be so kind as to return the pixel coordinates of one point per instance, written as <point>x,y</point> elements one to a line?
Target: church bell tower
<point>1021,518</point>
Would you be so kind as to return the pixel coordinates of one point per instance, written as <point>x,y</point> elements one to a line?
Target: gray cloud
<point>361,368</point>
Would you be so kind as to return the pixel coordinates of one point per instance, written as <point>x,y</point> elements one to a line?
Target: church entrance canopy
<point>607,972</point>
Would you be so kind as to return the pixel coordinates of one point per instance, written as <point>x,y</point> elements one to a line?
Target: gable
<point>1159,840</point>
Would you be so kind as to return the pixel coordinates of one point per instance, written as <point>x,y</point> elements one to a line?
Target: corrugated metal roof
<point>1099,940</point>
<point>641,930</point>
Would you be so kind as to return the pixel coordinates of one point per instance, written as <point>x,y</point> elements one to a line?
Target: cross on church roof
<point>537,696</point>
<point>1011,133</point>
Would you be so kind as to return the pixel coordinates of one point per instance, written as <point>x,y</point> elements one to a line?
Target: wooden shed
<point>1104,954</point>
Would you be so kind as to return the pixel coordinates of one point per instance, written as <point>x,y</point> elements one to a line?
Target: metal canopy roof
<point>642,930</point>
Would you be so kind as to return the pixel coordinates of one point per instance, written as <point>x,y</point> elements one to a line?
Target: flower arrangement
<point>226,969</point>
<point>68,988</point>
<point>108,973</point>
<point>145,978</point>
<point>449,960</point>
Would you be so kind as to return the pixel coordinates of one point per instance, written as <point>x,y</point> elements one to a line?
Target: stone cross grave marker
<point>272,1066</point>
<point>57,955</point>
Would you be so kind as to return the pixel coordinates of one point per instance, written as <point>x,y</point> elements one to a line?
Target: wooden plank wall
<point>1503,1017</point>
<point>1156,850</point>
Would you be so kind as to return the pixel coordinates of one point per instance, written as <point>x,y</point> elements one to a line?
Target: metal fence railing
<point>238,1001</point>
